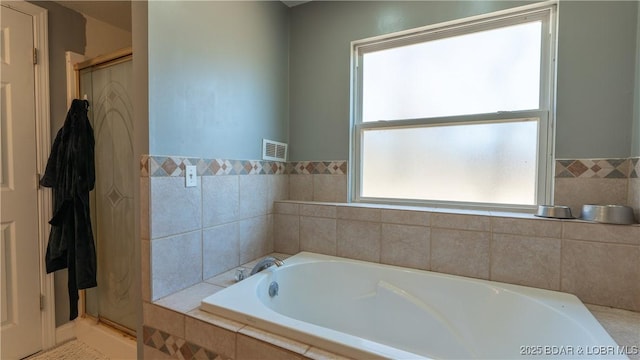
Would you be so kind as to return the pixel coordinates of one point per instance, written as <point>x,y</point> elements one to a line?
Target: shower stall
<point>106,82</point>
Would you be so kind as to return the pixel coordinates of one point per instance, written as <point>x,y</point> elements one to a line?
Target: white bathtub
<point>366,310</point>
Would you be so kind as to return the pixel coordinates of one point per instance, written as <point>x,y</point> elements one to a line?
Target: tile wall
<point>318,181</point>
<point>598,181</point>
<point>197,232</point>
<point>597,262</point>
<point>228,218</point>
<point>242,210</point>
<point>634,187</point>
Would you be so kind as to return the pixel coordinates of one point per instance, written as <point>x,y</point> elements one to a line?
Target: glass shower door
<point>108,89</point>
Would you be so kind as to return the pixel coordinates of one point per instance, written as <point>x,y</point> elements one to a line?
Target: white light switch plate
<point>191,177</point>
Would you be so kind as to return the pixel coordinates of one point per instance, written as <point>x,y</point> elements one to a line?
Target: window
<point>457,114</point>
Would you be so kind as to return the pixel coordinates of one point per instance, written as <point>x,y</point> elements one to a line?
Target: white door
<point>19,249</point>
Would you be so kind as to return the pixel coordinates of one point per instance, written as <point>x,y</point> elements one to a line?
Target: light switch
<point>191,177</point>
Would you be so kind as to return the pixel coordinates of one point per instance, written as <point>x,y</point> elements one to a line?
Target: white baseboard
<point>65,332</point>
<point>108,341</point>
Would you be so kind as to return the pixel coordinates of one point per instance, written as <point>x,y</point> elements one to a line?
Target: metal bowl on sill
<point>554,212</point>
<point>608,214</point>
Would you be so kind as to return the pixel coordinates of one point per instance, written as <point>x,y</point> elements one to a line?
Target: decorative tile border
<point>159,166</point>
<point>177,347</point>
<point>317,167</point>
<point>596,168</point>
<point>635,168</point>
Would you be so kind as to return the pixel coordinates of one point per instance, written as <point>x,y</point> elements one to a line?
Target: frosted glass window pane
<point>486,163</point>
<point>483,72</point>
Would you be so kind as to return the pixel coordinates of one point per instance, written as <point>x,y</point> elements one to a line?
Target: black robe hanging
<point>70,173</point>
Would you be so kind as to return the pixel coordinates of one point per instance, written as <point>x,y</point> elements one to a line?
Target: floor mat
<point>72,350</point>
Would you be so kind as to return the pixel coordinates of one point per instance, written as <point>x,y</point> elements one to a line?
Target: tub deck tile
<point>250,348</point>
<point>276,340</point>
<point>216,320</point>
<point>622,325</point>
<point>160,318</point>
<point>217,340</point>
<point>314,210</point>
<point>189,298</point>
<point>227,278</point>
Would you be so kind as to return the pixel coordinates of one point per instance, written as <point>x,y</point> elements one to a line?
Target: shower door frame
<point>99,62</point>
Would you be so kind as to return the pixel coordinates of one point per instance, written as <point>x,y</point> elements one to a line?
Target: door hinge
<point>35,56</point>
<point>42,302</point>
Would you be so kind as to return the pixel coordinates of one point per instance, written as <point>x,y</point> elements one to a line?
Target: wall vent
<point>273,150</point>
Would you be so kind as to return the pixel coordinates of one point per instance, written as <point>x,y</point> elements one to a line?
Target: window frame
<point>545,12</point>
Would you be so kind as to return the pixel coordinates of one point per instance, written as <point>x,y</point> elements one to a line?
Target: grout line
<point>299,231</point>
<point>560,271</point>
<point>491,242</point>
<point>202,255</point>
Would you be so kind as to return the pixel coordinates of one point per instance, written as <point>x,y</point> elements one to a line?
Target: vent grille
<point>273,150</point>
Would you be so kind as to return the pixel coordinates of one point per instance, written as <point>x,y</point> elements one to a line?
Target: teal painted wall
<point>596,61</point>
<point>66,33</point>
<point>596,67</point>
<point>218,77</point>
<point>321,34</point>
<point>233,73</point>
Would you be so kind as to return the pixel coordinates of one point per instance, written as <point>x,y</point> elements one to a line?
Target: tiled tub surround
<point>196,232</point>
<point>230,228</point>
<point>318,181</point>
<point>191,234</point>
<point>597,262</point>
<point>175,328</point>
<point>598,181</point>
<point>338,302</point>
<point>634,186</point>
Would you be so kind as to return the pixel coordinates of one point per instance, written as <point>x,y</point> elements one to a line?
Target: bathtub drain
<point>273,289</point>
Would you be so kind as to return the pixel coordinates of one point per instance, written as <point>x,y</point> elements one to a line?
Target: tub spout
<point>265,263</point>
